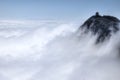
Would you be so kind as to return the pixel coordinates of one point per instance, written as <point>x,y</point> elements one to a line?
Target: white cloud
<point>53,52</point>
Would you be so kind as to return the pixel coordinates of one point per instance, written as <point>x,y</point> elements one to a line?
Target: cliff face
<point>103,26</point>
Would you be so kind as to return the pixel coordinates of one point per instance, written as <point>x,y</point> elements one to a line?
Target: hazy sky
<point>56,9</point>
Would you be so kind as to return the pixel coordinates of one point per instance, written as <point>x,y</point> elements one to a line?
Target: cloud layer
<point>33,50</point>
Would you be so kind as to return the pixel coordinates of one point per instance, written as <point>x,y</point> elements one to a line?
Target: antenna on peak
<point>97,14</point>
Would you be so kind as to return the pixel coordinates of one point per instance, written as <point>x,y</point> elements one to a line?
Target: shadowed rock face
<point>103,26</point>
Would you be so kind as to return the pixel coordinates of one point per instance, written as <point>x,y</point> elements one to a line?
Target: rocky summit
<point>103,26</point>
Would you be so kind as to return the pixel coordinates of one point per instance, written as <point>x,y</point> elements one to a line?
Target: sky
<point>67,10</point>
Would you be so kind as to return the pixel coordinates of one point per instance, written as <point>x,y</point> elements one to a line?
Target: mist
<point>31,50</point>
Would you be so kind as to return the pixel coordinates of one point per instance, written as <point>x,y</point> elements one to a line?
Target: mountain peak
<point>103,26</point>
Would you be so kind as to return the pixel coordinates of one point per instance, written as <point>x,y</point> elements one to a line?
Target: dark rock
<point>103,26</point>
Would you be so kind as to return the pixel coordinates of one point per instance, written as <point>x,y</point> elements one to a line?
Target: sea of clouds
<point>50,50</point>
